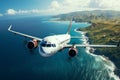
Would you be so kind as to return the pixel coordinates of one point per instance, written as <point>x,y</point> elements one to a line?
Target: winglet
<point>9,28</point>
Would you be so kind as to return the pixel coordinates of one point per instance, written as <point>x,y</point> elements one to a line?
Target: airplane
<point>54,43</point>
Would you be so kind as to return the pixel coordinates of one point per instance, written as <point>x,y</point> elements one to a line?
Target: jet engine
<point>91,50</point>
<point>73,51</point>
<point>32,44</point>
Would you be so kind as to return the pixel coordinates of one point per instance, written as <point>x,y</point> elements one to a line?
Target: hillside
<point>106,32</point>
<point>83,16</point>
<point>105,29</point>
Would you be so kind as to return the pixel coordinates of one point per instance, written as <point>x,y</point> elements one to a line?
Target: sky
<point>54,7</point>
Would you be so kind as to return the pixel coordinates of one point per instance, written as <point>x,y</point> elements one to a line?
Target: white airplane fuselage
<point>52,44</point>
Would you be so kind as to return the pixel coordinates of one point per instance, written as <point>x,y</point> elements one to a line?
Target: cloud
<point>11,12</point>
<point>21,12</point>
<point>65,6</point>
<point>111,4</point>
<point>105,4</point>
<point>69,6</point>
<point>81,5</point>
<point>55,5</point>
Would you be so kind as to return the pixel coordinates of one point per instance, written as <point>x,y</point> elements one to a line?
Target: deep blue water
<point>19,63</point>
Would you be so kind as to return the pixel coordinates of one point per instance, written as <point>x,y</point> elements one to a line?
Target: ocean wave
<point>107,64</point>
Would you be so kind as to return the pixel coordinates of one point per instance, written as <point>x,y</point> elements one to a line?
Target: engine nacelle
<point>91,50</point>
<point>72,52</point>
<point>32,44</point>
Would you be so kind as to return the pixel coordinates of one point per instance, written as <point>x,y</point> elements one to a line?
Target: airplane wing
<point>79,37</point>
<point>25,35</point>
<point>88,45</point>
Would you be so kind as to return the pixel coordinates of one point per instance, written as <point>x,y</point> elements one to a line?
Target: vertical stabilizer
<point>68,32</point>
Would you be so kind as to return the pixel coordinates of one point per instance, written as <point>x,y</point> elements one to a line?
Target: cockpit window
<point>43,43</point>
<point>46,44</point>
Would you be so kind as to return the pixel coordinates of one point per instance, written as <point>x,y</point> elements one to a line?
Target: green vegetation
<point>105,29</point>
<point>105,32</point>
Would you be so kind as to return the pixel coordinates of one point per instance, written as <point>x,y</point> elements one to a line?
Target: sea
<point>17,62</point>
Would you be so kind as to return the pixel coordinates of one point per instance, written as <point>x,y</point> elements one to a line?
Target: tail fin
<point>68,32</point>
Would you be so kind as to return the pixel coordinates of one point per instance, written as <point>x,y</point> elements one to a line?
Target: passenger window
<point>53,45</point>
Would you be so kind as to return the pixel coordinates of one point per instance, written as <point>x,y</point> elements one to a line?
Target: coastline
<point>95,53</point>
<point>105,58</point>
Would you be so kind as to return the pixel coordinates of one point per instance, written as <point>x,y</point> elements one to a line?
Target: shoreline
<point>103,57</point>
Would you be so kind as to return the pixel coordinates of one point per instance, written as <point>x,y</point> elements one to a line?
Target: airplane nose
<point>44,52</point>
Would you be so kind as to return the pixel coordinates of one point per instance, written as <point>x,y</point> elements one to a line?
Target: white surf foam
<point>109,65</point>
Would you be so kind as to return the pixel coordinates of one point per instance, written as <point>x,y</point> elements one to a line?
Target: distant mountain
<point>88,16</point>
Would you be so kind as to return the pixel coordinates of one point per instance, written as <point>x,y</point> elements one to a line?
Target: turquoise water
<point>19,63</point>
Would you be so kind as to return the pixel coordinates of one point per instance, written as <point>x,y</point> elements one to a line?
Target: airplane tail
<point>68,32</point>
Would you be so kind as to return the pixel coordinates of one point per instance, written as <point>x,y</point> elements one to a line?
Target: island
<point>104,29</point>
